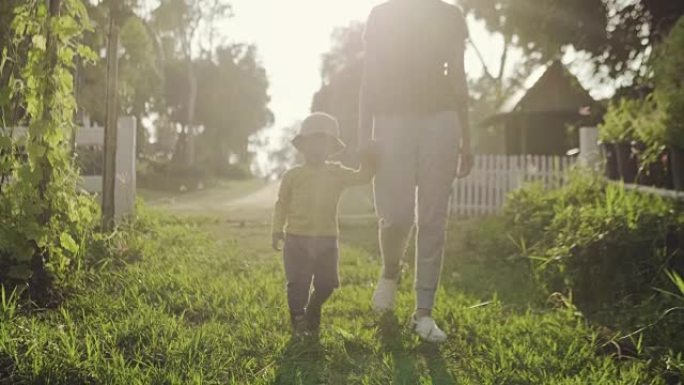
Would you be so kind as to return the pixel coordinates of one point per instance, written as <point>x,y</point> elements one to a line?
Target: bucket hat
<point>320,123</point>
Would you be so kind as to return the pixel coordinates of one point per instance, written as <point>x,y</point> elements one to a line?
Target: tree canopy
<point>615,33</point>
<point>172,65</point>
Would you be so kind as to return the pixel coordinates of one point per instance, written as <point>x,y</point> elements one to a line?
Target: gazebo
<point>542,119</point>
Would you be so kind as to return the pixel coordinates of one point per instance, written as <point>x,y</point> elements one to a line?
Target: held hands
<point>277,240</point>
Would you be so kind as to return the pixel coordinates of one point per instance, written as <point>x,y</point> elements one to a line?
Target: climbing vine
<point>44,220</point>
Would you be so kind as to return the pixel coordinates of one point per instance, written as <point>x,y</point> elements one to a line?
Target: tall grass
<point>177,307</point>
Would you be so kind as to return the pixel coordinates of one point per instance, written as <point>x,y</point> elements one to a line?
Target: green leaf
<point>68,243</point>
<point>5,142</point>
<point>86,53</point>
<point>677,280</point>
<point>39,42</point>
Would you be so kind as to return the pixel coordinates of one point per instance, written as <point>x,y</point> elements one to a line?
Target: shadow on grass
<point>302,362</point>
<point>405,370</point>
<point>437,365</point>
<point>404,366</point>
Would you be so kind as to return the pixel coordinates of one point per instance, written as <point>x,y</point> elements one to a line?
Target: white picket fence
<point>494,176</point>
<point>124,190</point>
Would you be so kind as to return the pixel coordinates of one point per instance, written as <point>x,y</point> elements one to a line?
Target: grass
<point>201,301</point>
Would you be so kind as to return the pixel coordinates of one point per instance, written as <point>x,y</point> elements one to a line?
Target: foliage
<point>195,309</point>
<point>643,120</point>
<point>650,128</point>
<point>44,221</point>
<point>614,33</point>
<point>219,96</point>
<point>619,121</point>
<point>178,22</point>
<point>670,83</point>
<point>283,155</point>
<point>341,71</point>
<point>139,80</point>
<point>232,104</point>
<point>606,246</point>
<point>215,94</point>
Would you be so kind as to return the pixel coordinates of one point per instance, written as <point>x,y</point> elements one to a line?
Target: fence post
<point>589,156</point>
<point>124,191</point>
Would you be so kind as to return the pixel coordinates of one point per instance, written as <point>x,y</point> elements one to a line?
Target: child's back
<point>306,219</point>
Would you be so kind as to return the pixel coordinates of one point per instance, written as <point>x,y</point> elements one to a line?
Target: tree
<point>232,103</point>
<point>178,22</point>
<point>618,35</point>
<point>283,155</point>
<point>140,73</point>
<point>341,73</point>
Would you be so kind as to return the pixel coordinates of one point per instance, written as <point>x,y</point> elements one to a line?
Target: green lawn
<point>202,302</point>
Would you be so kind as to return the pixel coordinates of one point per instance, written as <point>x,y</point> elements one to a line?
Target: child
<point>305,219</point>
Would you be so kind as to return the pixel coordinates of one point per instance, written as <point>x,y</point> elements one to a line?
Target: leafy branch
<point>41,201</point>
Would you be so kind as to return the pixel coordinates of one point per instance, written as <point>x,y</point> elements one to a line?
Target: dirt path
<point>262,199</point>
<point>234,201</point>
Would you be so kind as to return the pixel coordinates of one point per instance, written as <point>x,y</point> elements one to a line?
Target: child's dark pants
<point>308,259</point>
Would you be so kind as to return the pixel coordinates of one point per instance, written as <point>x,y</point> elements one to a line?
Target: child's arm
<point>280,213</point>
<point>368,168</point>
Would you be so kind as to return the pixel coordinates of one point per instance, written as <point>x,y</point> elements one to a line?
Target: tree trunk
<point>109,174</point>
<point>192,101</point>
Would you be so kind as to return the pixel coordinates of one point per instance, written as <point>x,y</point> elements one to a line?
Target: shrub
<point>594,238</point>
<point>619,121</point>
<point>606,248</point>
<point>650,128</point>
<point>609,249</point>
<point>531,210</point>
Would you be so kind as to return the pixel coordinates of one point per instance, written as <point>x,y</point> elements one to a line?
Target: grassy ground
<point>201,301</point>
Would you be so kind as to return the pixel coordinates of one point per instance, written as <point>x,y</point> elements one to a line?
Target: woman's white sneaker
<point>427,330</point>
<point>385,292</point>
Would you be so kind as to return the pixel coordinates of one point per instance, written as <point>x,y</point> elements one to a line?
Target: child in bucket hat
<point>305,218</point>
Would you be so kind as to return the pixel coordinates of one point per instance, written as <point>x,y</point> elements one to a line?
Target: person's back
<point>411,44</point>
<point>414,103</point>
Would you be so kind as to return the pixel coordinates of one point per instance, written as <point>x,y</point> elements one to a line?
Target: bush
<point>606,248</point>
<point>594,238</point>
<point>619,121</point>
<point>650,128</point>
<point>609,249</point>
<point>531,210</point>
